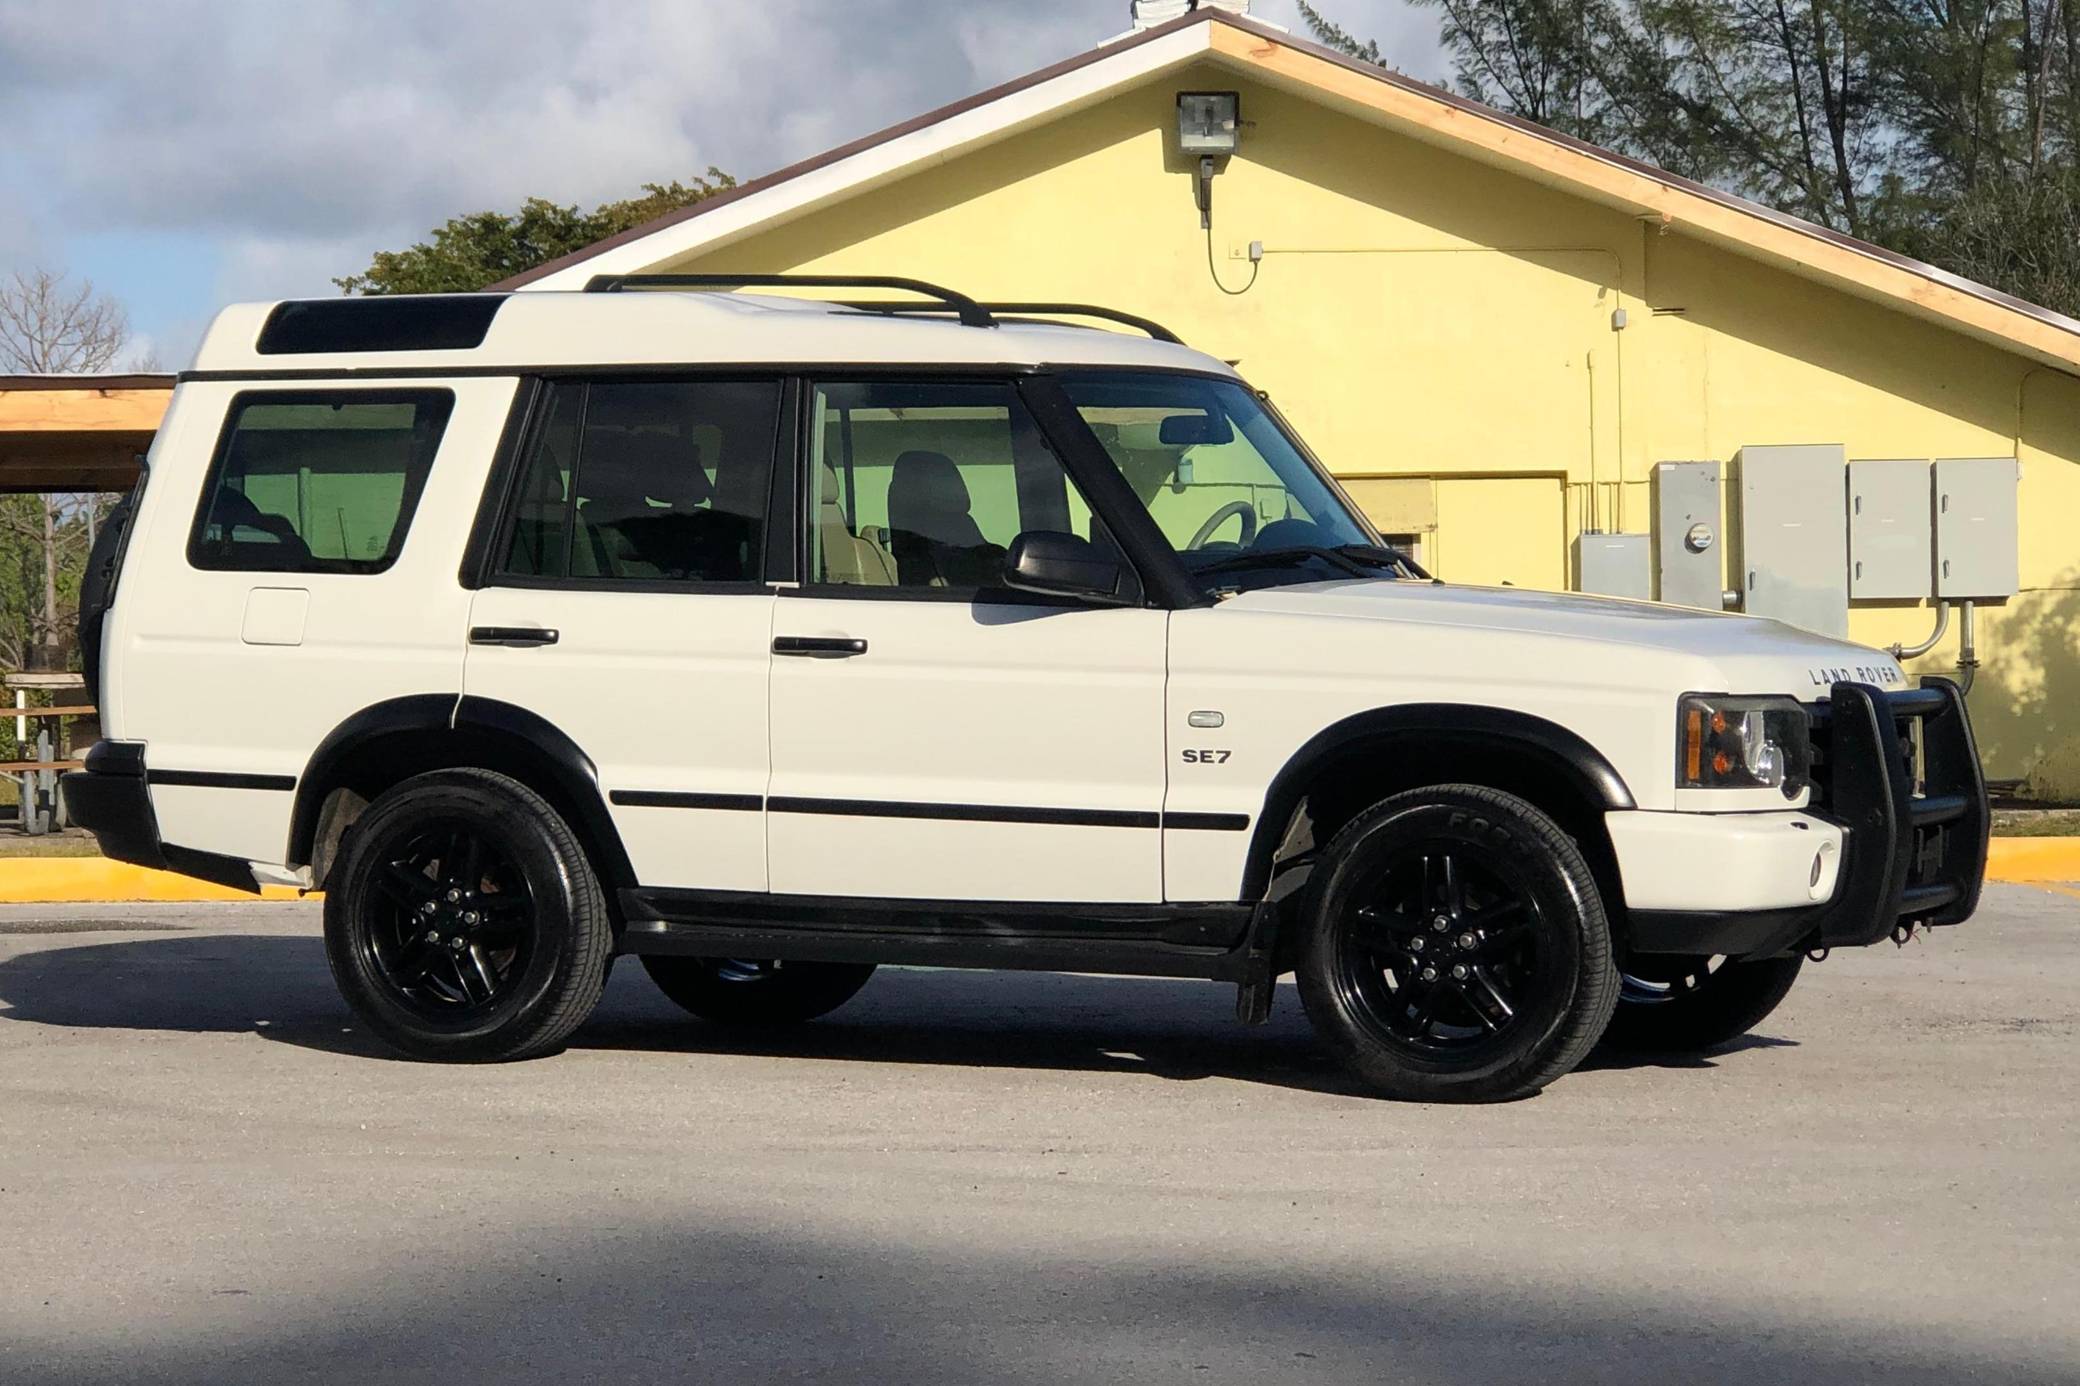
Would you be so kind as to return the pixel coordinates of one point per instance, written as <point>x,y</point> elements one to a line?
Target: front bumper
<point>1897,775</point>
<point>1737,862</point>
<point>112,798</point>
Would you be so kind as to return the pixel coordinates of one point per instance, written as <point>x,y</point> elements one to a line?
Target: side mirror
<point>1062,565</point>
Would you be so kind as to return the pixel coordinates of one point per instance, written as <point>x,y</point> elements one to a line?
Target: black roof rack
<point>971,313</point>
<point>1063,310</point>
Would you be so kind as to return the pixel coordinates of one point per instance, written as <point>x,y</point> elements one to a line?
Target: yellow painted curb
<point>2033,859</point>
<point>58,880</point>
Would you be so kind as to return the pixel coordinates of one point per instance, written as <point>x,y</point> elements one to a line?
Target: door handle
<point>819,646</point>
<point>513,637</point>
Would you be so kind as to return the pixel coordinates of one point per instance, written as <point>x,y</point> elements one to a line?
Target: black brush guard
<point>1900,772</point>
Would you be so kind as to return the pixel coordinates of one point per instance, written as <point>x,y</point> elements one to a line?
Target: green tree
<point>2019,235</point>
<point>470,252</point>
<point>49,325</point>
<point>1948,129</point>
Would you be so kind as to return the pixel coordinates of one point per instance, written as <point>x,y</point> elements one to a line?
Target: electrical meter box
<point>1687,535</point>
<point>1891,531</point>
<point>1976,529</point>
<point>1614,565</point>
<point>1794,551</point>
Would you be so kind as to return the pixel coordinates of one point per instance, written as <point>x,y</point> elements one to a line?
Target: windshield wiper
<point>1382,556</point>
<point>1288,558</point>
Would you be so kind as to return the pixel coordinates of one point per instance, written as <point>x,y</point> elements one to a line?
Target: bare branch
<point>49,326</point>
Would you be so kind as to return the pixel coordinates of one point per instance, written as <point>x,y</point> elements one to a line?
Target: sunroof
<point>402,322</point>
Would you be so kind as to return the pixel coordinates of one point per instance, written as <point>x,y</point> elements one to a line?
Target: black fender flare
<point>507,738</point>
<point>1553,745</point>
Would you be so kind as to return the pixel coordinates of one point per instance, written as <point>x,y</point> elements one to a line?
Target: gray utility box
<point>1891,531</point>
<point>1614,565</point>
<point>1688,535</point>
<point>1794,518</point>
<point>1976,528</point>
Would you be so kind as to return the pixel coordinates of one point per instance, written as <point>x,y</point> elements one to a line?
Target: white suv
<point>770,639</point>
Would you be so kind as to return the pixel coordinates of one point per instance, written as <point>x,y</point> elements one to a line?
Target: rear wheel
<point>1456,948</point>
<point>1682,1005</point>
<point>463,920</point>
<point>741,991</point>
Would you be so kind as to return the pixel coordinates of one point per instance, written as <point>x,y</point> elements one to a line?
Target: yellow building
<point>1490,331</point>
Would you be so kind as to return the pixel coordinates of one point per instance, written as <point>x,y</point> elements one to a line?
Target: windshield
<point>1232,493</point>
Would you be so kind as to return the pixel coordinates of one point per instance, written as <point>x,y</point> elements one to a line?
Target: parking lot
<point>207,1175</point>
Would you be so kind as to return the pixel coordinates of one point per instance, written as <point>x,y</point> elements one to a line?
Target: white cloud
<point>304,136</point>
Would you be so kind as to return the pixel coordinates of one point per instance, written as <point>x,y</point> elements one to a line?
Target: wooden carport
<point>66,434</point>
<point>72,433</point>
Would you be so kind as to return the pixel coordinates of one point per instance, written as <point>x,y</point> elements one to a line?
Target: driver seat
<point>932,530</point>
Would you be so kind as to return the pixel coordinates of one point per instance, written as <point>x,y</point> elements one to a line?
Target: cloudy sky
<point>187,155</point>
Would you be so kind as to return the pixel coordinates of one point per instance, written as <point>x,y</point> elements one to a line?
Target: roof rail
<point>1064,310</point>
<point>971,313</point>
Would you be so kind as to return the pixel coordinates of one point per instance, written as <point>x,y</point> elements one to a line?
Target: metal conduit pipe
<point>1967,643</point>
<point>1916,651</point>
<point>1967,650</point>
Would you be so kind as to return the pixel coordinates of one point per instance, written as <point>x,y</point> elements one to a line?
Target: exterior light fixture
<point>1209,125</point>
<point>1209,122</point>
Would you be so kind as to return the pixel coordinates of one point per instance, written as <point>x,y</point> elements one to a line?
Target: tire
<point>734,991</point>
<point>1456,877</point>
<point>1684,1005</point>
<point>463,921</point>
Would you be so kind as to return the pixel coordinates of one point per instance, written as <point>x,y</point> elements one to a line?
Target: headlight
<point>1724,742</point>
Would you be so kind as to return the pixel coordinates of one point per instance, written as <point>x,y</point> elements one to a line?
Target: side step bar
<point>1206,941</point>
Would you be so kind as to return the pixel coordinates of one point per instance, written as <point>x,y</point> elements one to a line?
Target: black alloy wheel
<point>1456,947</point>
<point>455,925</point>
<point>463,920</point>
<point>1446,949</point>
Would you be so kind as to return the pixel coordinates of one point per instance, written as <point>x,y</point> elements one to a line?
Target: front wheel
<point>1456,948</point>
<point>1684,1005</point>
<point>463,920</point>
<point>742,991</point>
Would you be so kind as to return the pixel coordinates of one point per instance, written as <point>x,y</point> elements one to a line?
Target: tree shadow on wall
<point>2026,701</point>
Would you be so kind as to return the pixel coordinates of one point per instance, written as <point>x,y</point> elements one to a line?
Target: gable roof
<point>1367,92</point>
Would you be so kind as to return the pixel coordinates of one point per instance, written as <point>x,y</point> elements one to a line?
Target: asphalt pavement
<point>208,1175</point>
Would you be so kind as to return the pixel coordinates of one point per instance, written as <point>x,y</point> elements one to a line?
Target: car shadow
<point>1609,1058</point>
<point>279,987</point>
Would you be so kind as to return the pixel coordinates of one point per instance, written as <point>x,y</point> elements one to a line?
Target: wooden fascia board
<point>1751,231</point>
<point>83,411</point>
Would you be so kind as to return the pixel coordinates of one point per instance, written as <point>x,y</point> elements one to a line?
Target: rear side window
<point>647,481</point>
<point>317,481</point>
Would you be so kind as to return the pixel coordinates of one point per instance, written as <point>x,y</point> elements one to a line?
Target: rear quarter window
<point>317,481</point>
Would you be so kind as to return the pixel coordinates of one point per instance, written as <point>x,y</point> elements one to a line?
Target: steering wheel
<point>1219,517</point>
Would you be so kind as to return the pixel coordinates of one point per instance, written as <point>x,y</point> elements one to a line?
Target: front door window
<point>1229,491</point>
<point>926,485</point>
